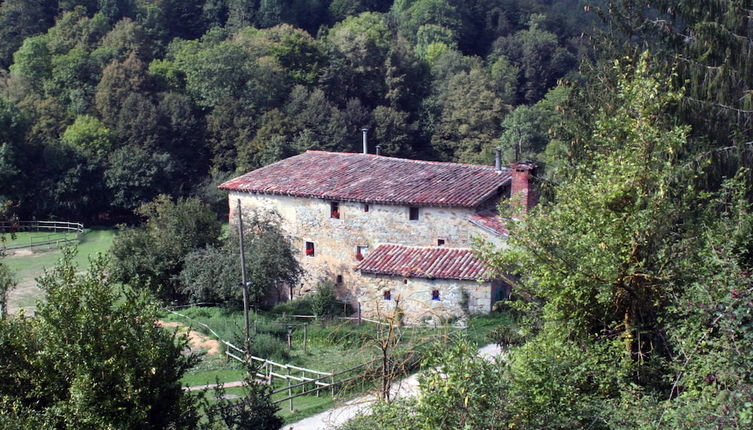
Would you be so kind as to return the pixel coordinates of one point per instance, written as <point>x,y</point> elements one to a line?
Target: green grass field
<point>28,266</point>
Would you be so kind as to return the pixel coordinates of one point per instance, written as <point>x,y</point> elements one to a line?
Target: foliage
<point>92,357</point>
<point>254,410</point>
<point>7,281</point>
<point>324,302</point>
<point>625,284</point>
<point>459,390</point>
<point>206,88</point>
<point>152,256</point>
<point>213,274</point>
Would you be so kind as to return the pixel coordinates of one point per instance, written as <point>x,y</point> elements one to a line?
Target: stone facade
<point>336,242</point>
<point>416,300</point>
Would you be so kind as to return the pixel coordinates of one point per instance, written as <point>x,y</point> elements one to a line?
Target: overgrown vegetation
<point>104,106</point>
<point>91,360</point>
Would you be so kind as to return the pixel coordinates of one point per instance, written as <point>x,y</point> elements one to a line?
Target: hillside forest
<point>632,298</point>
<point>106,104</point>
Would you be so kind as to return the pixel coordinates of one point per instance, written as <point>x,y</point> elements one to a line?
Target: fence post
<point>290,391</point>
<point>305,338</point>
<point>332,385</point>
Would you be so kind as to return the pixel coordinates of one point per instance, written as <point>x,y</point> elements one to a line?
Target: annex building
<point>387,230</point>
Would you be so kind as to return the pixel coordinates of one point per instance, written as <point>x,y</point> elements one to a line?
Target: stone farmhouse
<point>387,230</point>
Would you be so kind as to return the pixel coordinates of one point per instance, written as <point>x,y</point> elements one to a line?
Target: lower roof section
<point>425,262</point>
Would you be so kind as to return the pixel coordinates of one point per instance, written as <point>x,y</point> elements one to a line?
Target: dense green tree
<point>213,274</point>
<point>394,133</point>
<point>528,130</point>
<point>90,135</point>
<point>13,127</point>
<point>152,256</point>
<point>135,176</point>
<point>119,81</point>
<point>315,122</point>
<point>470,119</point>
<point>21,19</point>
<point>126,37</point>
<point>622,276</point>
<point>357,48</point>
<point>90,359</point>
<point>540,59</point>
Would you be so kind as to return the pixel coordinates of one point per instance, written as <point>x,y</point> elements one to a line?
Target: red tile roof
<point>424,262</point>
<point>490,222</point>
<point>374,179</point>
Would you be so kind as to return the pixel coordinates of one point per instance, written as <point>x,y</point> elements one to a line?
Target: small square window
<point>310,249</point>
<point>334,210</point>
<point>387,295</point>
<point>435,295</point>
<point>413,214</point>
<point>365,207</point>
<point>440,242</point>
<point>361,252</point>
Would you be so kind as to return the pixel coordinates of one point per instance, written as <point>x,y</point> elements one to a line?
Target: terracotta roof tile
<point>490,221</point>
<point>374,179</point>
<point>424,262</point>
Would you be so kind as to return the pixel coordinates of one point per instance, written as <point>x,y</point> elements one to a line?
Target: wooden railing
<point>50,227</point>
<point>309,381</point>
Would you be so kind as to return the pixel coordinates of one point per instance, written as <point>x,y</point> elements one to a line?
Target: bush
<point>324,302</point>
<point>268,346</point>
<point>152,256</point>
<point>300,306</point>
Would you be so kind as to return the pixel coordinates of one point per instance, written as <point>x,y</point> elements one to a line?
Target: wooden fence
<point>51,228</point>
<point>300,381</point>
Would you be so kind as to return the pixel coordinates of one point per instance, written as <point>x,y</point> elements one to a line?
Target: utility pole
<point>247,338</point>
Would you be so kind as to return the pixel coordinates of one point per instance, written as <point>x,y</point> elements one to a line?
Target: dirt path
<point>197,341</point>
<point>339,415</point>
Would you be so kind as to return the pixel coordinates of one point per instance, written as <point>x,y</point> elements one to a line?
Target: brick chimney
<point>523,195</point>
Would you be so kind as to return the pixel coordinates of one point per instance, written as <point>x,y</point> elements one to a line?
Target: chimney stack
<point>365,130</point>
<point>498,159</point>
<point>523,195</point>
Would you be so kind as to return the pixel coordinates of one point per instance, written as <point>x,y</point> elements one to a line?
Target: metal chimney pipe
<point>378,149</point>
<point>498,159</point>
<point>365,130</point>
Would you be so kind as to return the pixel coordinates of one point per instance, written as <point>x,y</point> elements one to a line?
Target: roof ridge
<point>425,247</point>
<point>408,160</point>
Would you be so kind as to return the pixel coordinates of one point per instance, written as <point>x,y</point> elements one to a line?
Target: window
<point>339,279</point>
<point>435,295</point>
<point>361,252</point>
<point>440,242</point>
<point>365,207</point>
<point>405,281</point>
<point>310,249</point>
<point>387,295</point>
<point>334,210</point>
<point>413,214</point>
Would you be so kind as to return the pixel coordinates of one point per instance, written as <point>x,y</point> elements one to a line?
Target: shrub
<point>268,346</point>
<point>324,302</point>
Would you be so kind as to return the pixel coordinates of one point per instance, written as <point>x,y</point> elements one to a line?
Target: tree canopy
<point>183,91</point>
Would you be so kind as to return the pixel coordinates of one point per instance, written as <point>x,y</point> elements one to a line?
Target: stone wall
<point>457,298</point>
<point>335,240</point>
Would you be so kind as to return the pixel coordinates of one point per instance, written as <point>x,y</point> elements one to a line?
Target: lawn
<point>28,266</point>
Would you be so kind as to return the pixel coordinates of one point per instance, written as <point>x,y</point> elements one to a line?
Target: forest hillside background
<point>105,104</point>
